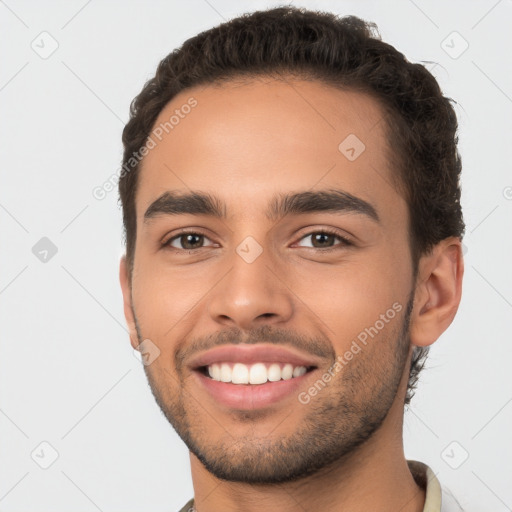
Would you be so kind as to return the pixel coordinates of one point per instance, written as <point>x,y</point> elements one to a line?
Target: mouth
<point>248,377</point>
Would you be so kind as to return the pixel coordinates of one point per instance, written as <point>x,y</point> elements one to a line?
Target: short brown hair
<point>344,52</point>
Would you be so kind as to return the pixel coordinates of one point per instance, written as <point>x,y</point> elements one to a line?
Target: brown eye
<point>187,241</point>
<point>325,240</point>
<point>322,239</point>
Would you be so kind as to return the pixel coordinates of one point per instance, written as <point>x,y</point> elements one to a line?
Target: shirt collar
<point>428,481</point>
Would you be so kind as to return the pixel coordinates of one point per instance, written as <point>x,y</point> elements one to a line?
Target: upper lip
<point>248,354</point>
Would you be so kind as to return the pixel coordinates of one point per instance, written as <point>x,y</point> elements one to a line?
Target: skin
<point>244,142</point>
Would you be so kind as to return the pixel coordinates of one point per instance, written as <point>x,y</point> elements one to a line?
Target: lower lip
<point>252,396</point>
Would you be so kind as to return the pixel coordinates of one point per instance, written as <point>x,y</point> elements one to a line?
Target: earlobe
<point>438,292</point>
<point>124,280</point>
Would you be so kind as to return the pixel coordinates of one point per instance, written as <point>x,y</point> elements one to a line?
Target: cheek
<point>349,298</point>
<point>164,301</point>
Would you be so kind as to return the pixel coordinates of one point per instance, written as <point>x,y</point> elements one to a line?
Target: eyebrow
<point>200,203</point>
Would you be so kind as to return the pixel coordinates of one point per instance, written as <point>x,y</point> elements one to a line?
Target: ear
<point>124,279</point>
<point>438,292</point>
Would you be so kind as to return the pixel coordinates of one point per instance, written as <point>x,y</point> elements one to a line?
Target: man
<point>291,203</point>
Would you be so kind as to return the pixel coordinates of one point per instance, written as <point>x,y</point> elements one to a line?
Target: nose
<point>251,294</point>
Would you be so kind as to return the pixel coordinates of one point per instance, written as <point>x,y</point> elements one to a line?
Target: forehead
<point>248,140</point>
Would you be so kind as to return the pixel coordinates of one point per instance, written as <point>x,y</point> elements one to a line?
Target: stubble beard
<point>335,423</point>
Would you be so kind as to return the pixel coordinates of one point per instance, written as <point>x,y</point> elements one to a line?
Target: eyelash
<point>344,241</point>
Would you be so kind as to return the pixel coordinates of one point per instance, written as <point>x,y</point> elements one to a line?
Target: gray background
<point>68,376</point>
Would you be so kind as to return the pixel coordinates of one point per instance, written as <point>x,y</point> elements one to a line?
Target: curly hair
<point>346,53</point>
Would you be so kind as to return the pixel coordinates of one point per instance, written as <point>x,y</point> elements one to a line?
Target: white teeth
<point>240,374</point>
<point>257,373</point>
<point>299,371</point>
<point>274,373</point>
<point>214,371</point>
<point>225,373</point>
<point>287,372</point>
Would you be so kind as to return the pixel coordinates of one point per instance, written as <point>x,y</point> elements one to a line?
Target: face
<point>292,257</point>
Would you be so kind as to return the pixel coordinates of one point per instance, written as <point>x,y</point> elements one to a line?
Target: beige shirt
<point>437,499</point>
